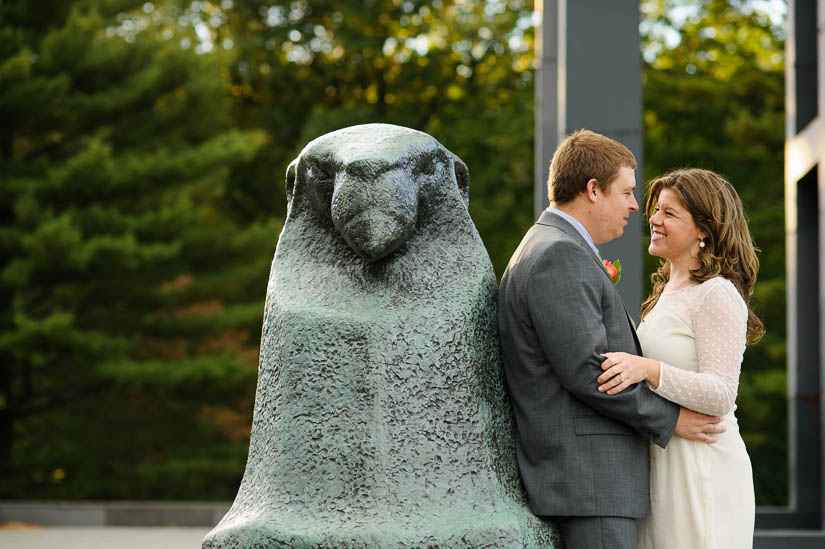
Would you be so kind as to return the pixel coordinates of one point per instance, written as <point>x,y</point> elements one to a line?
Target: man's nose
<point>633,204</point>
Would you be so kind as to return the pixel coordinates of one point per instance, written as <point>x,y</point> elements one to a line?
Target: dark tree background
<point>143,148</point>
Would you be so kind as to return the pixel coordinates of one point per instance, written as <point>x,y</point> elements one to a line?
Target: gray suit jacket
<point>580,452</point>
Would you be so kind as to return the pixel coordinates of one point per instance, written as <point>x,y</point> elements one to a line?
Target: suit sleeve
<point>564,297</point>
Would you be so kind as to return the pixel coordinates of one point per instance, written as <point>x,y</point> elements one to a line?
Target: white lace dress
<point>701,495</point>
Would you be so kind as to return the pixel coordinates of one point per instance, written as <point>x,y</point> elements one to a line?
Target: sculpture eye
<point>321,178</point>
<point>320,184</point>
<point>426,163</point>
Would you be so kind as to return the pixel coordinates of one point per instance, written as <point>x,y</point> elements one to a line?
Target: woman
<point>694,329</point>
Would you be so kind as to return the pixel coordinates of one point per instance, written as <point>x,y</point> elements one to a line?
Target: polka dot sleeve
<point>720,327</point>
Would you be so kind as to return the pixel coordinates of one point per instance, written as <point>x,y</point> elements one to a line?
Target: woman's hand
<point>621,370</point>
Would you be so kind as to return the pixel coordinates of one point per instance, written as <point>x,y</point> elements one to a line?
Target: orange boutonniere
<point>613,269</point>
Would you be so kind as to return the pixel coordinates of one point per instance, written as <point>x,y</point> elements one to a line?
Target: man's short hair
<point>582,156</point>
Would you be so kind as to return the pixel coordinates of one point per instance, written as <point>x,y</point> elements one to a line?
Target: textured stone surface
<point>381,414</point>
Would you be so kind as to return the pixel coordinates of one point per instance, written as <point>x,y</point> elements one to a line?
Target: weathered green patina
<point>381,414</point>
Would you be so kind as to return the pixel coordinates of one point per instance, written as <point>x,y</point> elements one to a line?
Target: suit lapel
<point>631,323</point>
<point>633,331</point>
<point>552,220</point>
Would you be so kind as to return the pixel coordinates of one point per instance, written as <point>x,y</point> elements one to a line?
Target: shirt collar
<point>578,226</point>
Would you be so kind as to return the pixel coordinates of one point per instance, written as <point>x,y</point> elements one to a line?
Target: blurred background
<point>143,147</point>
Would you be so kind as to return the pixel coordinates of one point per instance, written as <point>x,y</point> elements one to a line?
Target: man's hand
<point>695,426</point>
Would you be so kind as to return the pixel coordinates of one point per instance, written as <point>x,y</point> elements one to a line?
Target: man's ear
<point>593,190</point>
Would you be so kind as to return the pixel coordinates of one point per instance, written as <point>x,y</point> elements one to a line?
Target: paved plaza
<point>81,537</point>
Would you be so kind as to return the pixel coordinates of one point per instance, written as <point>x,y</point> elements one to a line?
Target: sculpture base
<point>503,529</point>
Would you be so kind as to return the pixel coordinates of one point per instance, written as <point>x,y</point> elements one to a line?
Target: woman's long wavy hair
<point>729,250</point>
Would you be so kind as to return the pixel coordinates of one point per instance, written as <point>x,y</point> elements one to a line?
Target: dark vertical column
<point>547,132</point>
<point>804,379</point>
<point>804,371</point>
<point>595,68</point>
<point>802,524</point>
<point>818,460</point>
<point>819,51</point>
<point>803,17</point>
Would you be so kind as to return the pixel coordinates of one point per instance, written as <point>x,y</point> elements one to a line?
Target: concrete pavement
<point>83,537</point>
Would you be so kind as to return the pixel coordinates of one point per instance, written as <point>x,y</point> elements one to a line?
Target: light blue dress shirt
<point>579,227</point>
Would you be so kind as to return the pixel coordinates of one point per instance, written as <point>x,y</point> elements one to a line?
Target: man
<point>583,454</point>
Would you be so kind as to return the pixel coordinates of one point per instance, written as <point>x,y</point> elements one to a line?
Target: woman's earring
<point>701,243</point>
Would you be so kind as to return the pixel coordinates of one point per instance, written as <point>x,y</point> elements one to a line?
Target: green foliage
<point>130,295</point>
<point>444,67</point>
<point>143,166</point>
<point>715,100</point>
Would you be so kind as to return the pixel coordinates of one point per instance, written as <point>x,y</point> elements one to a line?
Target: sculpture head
<point>366,181</point>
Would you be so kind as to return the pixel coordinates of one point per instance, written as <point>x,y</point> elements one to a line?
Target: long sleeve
<point>720,327</point>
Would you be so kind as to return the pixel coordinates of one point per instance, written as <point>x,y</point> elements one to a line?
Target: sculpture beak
<point>375,216</point>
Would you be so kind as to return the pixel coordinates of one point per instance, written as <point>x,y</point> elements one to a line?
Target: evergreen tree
<point>131,300</point>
